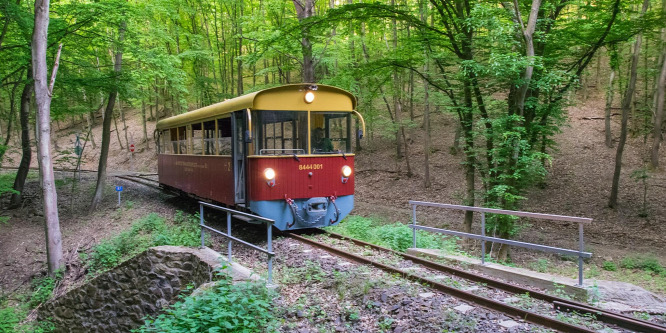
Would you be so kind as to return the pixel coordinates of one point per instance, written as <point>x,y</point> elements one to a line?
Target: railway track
<point>557,303</point>
<point>141,179</point>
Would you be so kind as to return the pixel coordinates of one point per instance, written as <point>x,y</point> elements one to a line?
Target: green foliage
<point>9,318</point>
<point>7,183</point>
<point>609,266</point>
<point>43,288</point>
<point>151,230</point>
<point>226,307</point>
<point>541,265</point>
<point>396,236</point>
<point>645,262</point>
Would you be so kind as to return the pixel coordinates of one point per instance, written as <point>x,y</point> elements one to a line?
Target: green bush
<point>7,183</point>
<point>396,236</point>
<point>43,288</point>
<point>609,266</point>
<point>227,307</point>
<point>648,263</point>
<point>150,230</point>
<point>9,319</point>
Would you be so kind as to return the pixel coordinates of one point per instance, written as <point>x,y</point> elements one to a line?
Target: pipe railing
<point>483,238</point>
<point>269,230</point>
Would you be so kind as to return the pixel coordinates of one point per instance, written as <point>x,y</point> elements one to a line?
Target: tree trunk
<point>89,119</point>
<point>12,110</point>
<point>143,121</point>
<point>24,166</point>
<point>43,103</point>
<point>305,9</point>
<point>659,100</point>
<point>528,32</point>
<point>106,126</point>
<point>626,106</point>
<point>115,125</point>
<point>609,104</point>
<point>239,62</point>
<point>122,118</point>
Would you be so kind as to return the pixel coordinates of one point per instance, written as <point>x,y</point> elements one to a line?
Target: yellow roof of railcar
<point>283,98</point>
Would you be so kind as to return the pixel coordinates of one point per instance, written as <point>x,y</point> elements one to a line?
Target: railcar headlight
<point>309,97</point>
<point>346,171</point>
<point>269,174</point>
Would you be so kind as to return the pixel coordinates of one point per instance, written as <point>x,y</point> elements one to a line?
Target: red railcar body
<point>307,177</point>
<point>209,177</point>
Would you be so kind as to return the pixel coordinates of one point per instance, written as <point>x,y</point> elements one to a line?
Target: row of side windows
<point>206,138</point>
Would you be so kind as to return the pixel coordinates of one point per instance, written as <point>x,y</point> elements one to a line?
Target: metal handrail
<point>580,220</point>
<point>269,223</point>
<point>291,150</point>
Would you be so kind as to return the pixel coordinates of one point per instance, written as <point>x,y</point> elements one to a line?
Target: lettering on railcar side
<point>310,166</point>
<point>190,166</point>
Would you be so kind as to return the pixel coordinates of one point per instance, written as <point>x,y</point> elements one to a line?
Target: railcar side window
<point>180,140</point>
<point>209,137</point>
<point>197,139</point>
<point>165,142</point>
<point>224,136</point>
<point>279,132</point>
<point>330,132</point>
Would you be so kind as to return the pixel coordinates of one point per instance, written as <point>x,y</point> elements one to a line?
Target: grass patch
<point>644,262</point>
<point>148,231</point>
<point>226,307</point>
<point>396,236</point>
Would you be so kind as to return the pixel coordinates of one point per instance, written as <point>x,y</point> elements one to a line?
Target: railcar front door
<point>238,127</point>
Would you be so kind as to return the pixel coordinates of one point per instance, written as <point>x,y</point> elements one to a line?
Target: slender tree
<point>626,107</point>
<point>106,125</point>
<point>24,165</point>
<point>659,99</point>
<point>43,95</point>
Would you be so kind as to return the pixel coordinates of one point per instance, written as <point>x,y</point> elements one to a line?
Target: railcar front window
<point>280,132</point>
<point>330,132</point>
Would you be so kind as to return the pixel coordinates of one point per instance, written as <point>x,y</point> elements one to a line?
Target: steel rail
<point>558,302</point>
<point>528,316</point>
<point>140,180</point>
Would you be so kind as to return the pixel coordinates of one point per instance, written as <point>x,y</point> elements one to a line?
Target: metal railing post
<point>229,232</point>
<point>201,223</point>
<point>483,242</point>
<point>581,246</point>
<point>414,223</point>
<point>270,249</point>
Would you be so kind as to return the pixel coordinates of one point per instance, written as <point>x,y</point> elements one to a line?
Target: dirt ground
<point>578,184</point>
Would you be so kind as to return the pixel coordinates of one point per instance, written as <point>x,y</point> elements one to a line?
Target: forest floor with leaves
<point>578,185</point>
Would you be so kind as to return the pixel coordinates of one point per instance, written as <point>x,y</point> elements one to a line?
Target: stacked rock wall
<point>118,300</point>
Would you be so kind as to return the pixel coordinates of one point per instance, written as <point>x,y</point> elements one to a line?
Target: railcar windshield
<point>330,132</point>
<point>279,132</point>
<point>287,132</point>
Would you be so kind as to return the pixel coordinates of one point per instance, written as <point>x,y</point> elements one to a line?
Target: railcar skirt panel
<point>305,213</point>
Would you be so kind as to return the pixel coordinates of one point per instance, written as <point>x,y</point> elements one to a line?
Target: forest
<point>505,71</point>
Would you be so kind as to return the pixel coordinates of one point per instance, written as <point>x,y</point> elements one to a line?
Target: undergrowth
<point>12,316</point>
<point>396,236</point>
<point>226,307</point>
<point>644,262</point>
<point>148,231</point>
<point>7,183</point>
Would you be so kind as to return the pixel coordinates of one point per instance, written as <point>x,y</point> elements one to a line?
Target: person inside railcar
<point>320,143</point>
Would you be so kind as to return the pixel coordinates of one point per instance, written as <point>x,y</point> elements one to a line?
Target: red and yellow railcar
<point>284,153</point>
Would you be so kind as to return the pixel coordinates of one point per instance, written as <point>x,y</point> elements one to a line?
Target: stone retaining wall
<point>118,300</point>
